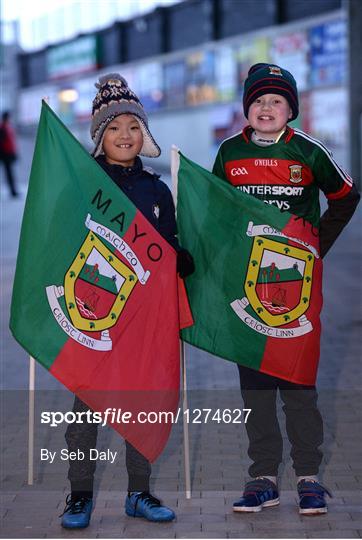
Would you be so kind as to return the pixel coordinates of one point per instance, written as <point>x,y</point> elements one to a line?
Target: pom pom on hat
<point>114,97</point>
<point>270,79</point>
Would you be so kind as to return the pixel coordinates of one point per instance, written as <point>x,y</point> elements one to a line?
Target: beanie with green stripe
<point>270,79</point>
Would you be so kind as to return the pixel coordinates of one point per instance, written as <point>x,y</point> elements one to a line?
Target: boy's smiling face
<point>122,140</point>
<point>269,114</point>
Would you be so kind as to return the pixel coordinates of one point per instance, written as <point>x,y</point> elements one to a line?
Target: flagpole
<point>185,422</point>
<point>31,404</point>
<point>31,421</point>
<point>175,164</point>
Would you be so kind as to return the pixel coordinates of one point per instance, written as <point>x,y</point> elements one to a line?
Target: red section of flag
<point>89,297</point>
<point>268,294</point>
<point>286,358</point>
<point>140,375</point>
<point>304,231</point>
<point>296,359</point>
<point>185,313</point>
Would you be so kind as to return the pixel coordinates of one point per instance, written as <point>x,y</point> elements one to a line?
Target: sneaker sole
<point>75,526</point>
<point>273,502</point>
<point>312,511</point>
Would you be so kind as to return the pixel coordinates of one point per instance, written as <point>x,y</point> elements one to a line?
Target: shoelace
<point>313,489</point>
<point>147,498</point>
<point>74,506</point>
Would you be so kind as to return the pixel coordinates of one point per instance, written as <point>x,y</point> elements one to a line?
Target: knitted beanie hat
<point>114,97</point>
<point>270,79</point>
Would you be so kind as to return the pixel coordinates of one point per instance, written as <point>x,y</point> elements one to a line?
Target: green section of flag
<point>213,219</point>
<point>66,184</point>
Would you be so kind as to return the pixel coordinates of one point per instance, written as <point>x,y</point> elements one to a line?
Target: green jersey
<point>288,174</point>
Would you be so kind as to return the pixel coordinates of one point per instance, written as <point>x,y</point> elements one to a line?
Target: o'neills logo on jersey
<point>266,163</point>
<point>237,171</point>
<point>295,173</point>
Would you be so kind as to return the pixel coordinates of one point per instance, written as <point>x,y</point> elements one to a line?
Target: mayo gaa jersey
<point>287,174</point>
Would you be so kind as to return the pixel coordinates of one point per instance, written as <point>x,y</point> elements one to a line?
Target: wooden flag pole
<point>31,421</point>
<point>185,422</point>
<point>175,163</point>
<point>31,406</point>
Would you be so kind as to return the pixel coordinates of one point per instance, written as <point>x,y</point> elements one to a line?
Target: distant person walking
<point>8,151</point>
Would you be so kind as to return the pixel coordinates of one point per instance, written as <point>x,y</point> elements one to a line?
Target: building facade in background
<point>194,93</point>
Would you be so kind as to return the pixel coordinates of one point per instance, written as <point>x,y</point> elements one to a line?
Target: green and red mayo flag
<point>95,296</point>
<point>256,294</point>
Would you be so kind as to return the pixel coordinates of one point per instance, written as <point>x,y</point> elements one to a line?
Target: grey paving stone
<point>350,508</point>
<point>348,533</point>
<point>17,517</point>
<point>189,518</point>
<point>148,534</point>
<point>214,515</point>
<point>188,510</point>
<point>101,510</point>
<point>90,532</point>
<point>13,532</point>
<point>295,524</point>
<point>187,527</point>
<point>201,535</point>
<point>337,516</point>
<point>352,498</point>
<point>109,534</point>
<point>195,501</point>
<point>347,524</point>
<point>144,527</point>
<point>268,534</point>
<point>220,527</point>
<point>213,496</point>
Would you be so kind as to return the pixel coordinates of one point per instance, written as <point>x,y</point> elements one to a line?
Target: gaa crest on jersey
<point>295,173</point>
<point>277,288</point>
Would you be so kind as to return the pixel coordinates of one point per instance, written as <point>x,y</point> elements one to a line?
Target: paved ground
<point>218,451</point>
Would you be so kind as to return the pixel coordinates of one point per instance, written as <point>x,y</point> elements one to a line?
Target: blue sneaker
<point>76,513</point>
<point>311,497</point>
<point>143,504</point>
<point>258,494</point>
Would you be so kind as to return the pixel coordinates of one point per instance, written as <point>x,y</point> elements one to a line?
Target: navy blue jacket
<point>148,193</point>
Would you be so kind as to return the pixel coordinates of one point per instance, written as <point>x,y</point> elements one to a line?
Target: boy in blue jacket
<point>120,133</point>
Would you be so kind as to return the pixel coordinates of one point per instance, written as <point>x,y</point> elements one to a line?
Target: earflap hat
<point>114,97</point>
<point>270,79</point>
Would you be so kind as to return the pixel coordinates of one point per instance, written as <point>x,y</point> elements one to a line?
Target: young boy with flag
<point>287,168</point>
<point>120,133</point>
